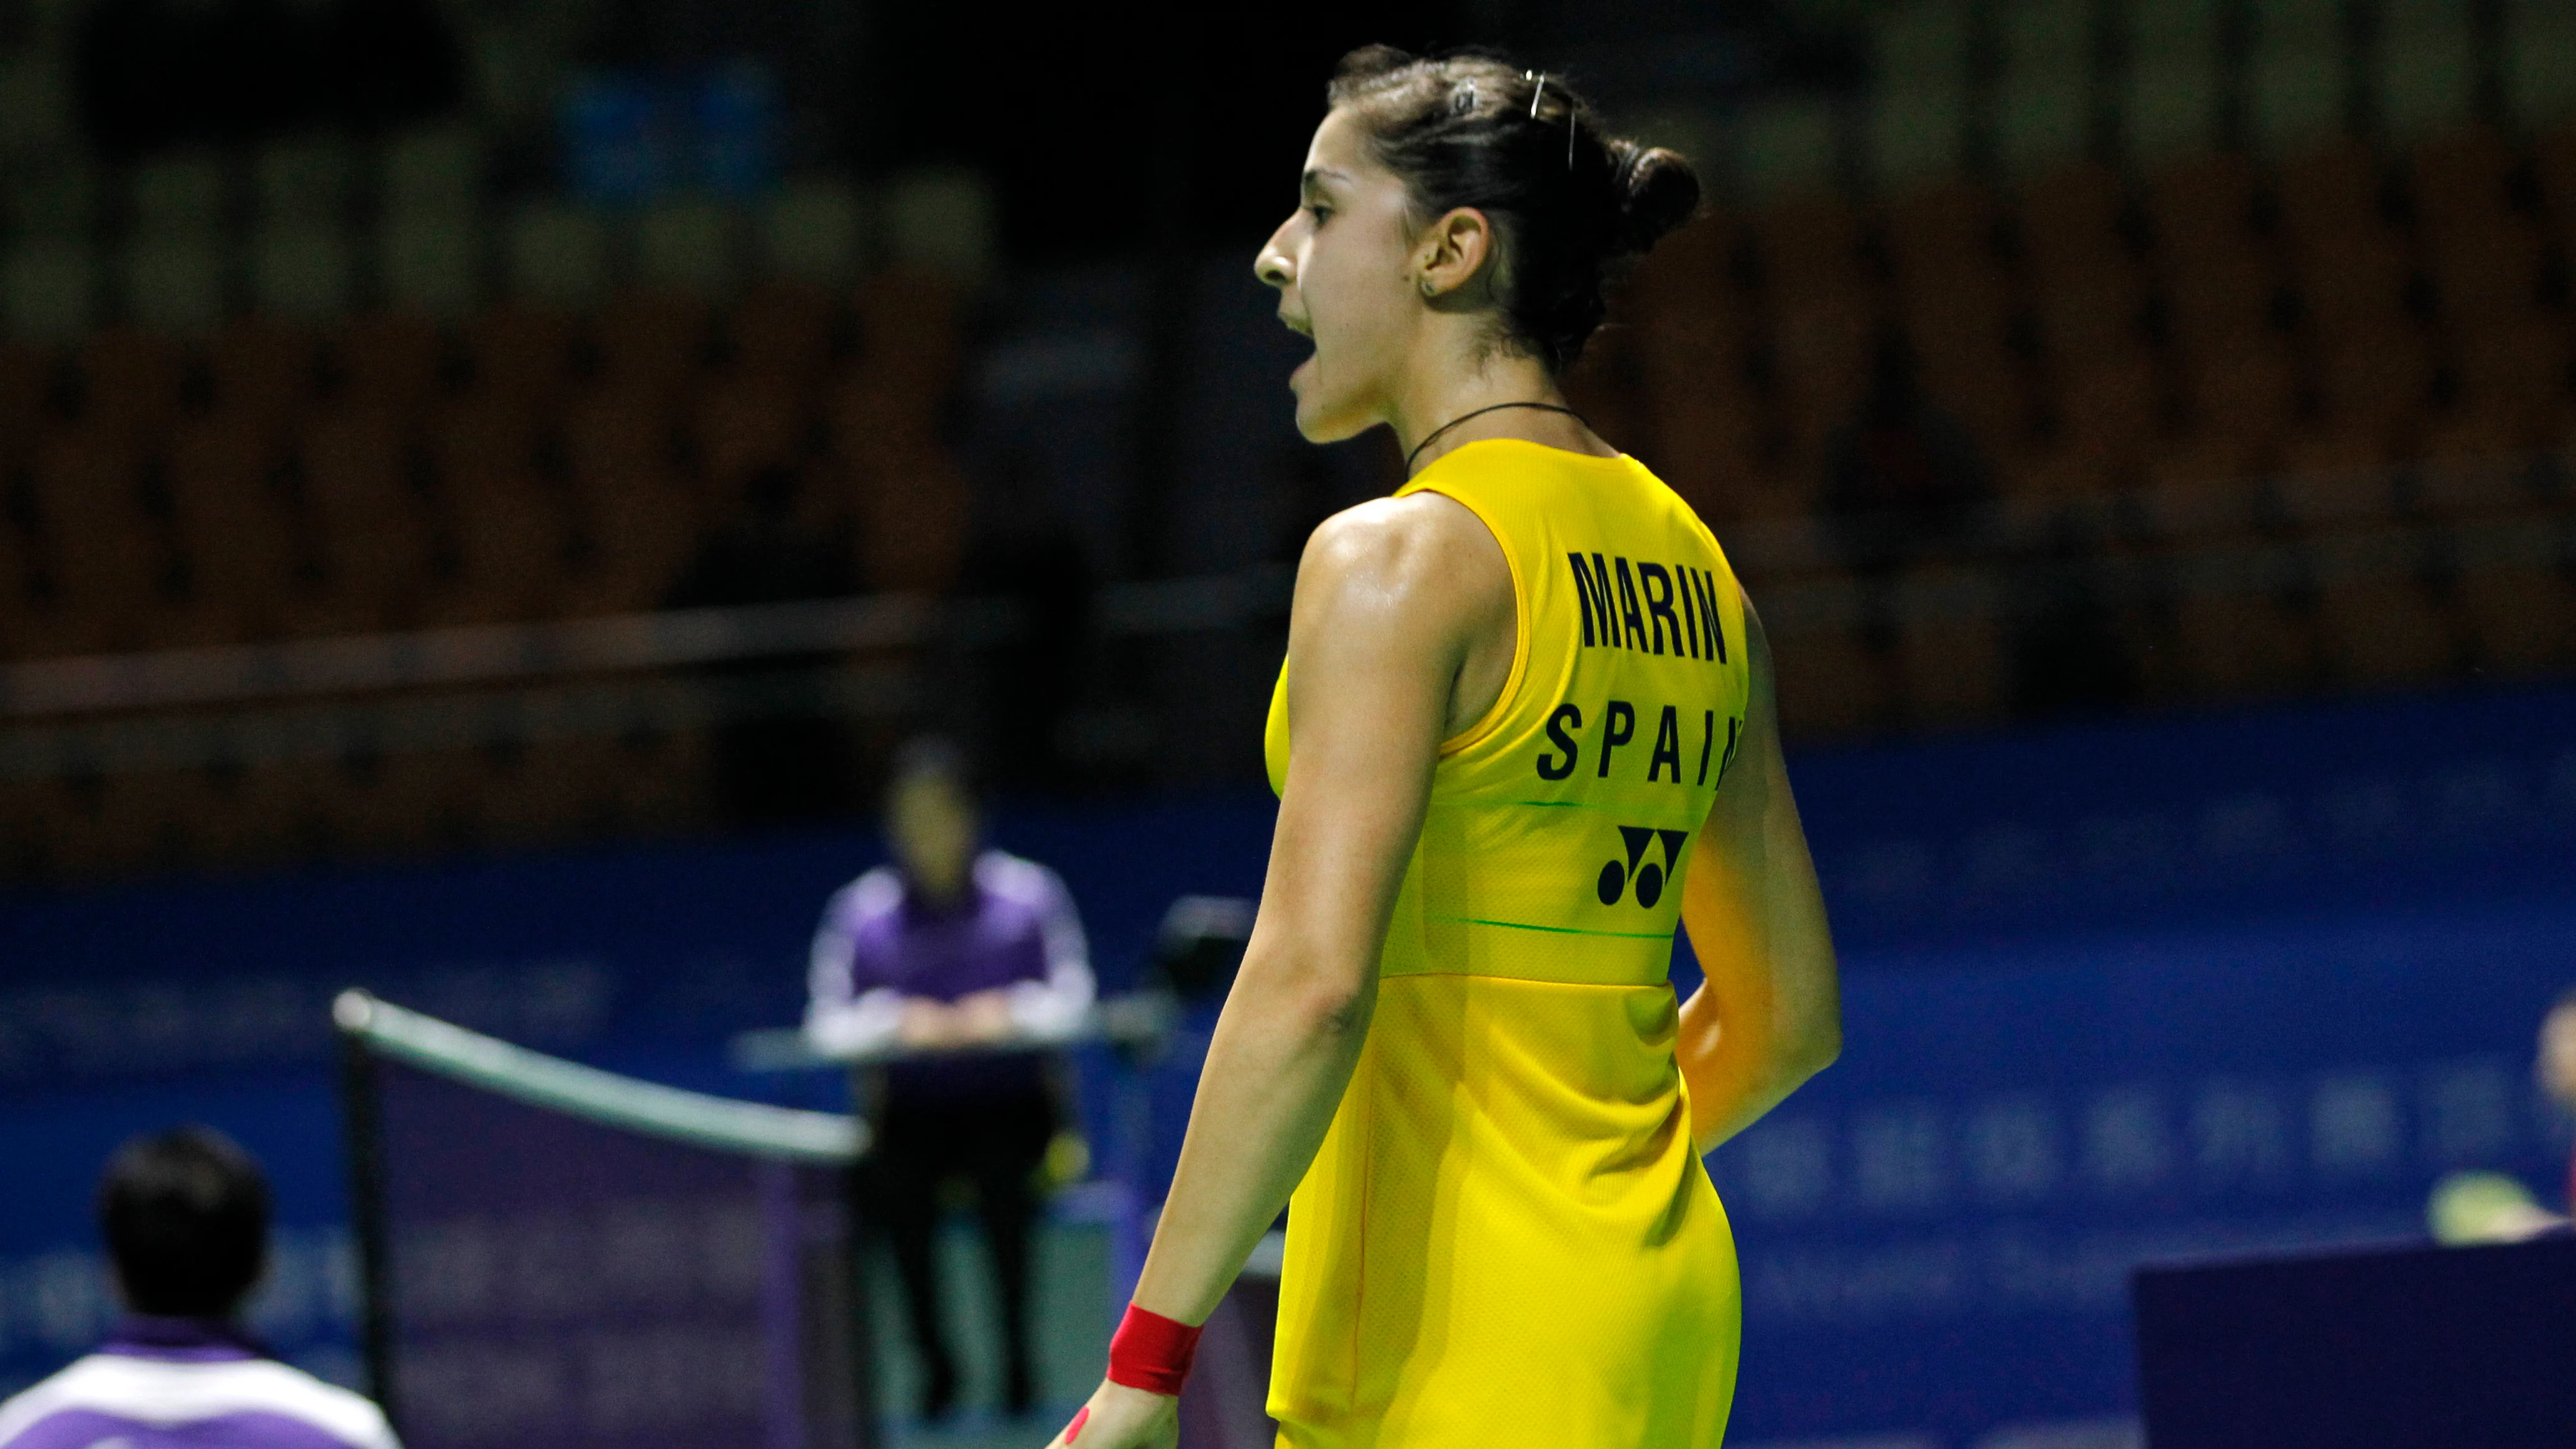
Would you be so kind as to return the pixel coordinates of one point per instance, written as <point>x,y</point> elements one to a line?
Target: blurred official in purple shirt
<point>186,1219</point>
<point>971,960</point>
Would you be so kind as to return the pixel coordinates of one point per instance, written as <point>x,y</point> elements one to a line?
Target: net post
<point>782,1302</point>
<point>362,1136</point>
<point>867,1423</point>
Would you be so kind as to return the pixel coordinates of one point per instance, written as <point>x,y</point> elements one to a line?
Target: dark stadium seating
<point>530,462</point>
<point>2282,427</point>
<point>2334,366</point>
<point>271,482</point>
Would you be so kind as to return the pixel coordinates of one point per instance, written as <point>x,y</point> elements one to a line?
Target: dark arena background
<point>488,486</point>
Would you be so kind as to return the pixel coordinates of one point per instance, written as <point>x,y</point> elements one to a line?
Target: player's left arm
<point>1390,597</point>
<point>1769,1013</point>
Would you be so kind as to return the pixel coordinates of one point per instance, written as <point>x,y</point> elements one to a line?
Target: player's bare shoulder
<point>1423,554</point>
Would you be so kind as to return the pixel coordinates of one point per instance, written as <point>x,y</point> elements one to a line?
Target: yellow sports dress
<point>1507,1238</point>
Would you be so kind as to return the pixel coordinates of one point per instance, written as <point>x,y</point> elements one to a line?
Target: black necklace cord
<point>1478,413</point>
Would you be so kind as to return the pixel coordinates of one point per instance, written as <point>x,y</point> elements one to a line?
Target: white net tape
<point>718,1123</point>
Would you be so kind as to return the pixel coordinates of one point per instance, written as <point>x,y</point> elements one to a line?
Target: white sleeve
<point>377,1432</point>
<point>1056,1006</point>
<point>856,1028</point>
<point>839,1017</point>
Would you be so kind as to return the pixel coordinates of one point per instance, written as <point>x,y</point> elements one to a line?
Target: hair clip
<point>1463,100</point>
<point>1540,94</point>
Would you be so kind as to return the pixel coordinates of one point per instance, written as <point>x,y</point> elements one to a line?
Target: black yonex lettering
<point>1734,737</point>
<point>1618,726</point>
<point>1566,717</point>
<point>1668,746</point>
<point>1690,612</point>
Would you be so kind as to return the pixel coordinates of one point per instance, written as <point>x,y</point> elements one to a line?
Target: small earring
<point>1426,289</point>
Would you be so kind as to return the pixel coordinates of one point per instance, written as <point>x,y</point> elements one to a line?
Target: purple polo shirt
<point>1015,931</point>
<point>177,1383</point>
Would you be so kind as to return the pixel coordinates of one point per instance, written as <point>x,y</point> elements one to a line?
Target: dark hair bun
<point>1574,205</point>
<point>1662,192</point>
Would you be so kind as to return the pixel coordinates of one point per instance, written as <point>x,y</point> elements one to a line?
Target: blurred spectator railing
<point>2415,498</point>
<point>447,658</point>
<point>439,658</point>
<point>2132,548</point>
<point>1843,585</point>
<point>459,688</point>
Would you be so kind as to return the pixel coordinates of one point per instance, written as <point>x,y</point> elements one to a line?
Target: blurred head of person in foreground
<point>185,1215</point>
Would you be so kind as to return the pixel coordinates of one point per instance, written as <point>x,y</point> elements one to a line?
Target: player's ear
<point>1453,250</point>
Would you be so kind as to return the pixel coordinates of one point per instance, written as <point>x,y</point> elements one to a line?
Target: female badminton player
<point>1524,726</point>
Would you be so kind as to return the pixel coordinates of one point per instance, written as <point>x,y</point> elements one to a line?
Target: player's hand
<point>1119,1417</point>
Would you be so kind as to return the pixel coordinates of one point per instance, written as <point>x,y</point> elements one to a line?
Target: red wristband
<point>1151,1352</point>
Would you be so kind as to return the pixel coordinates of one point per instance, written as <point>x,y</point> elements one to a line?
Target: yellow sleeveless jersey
<point>1506,1238</point>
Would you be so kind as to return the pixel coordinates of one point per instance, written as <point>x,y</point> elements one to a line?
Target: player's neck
<point>1438,396</point>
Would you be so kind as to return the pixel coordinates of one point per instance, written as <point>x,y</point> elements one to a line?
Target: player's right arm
<point>1769,1013</point>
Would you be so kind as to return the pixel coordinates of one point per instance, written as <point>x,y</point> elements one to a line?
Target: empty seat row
<point>397,475</point>
<point>895,329</point>
<point>256,571</point>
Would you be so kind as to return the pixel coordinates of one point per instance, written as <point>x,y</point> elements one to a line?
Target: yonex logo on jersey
<point>1649,877</point>
<point>1642,606</point>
